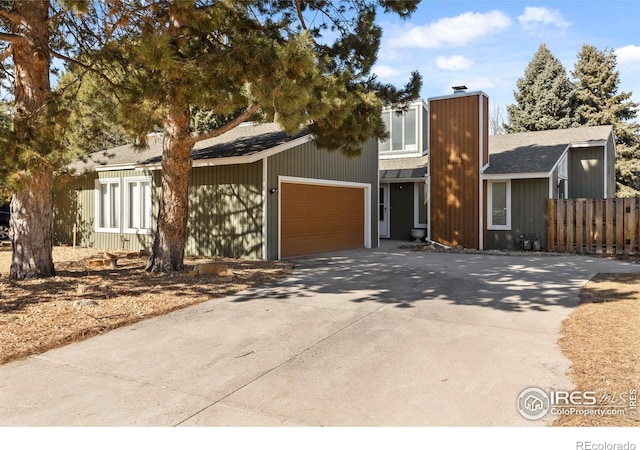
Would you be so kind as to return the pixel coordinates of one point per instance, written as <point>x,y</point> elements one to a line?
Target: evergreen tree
<point>544,96</point>
<point>237,59</point>
<point>599,103</point>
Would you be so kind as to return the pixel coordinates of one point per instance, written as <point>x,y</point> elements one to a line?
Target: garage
<point>317,216</point>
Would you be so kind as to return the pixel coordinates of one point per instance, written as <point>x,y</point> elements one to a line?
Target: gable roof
<point>242,144</point>
<point>539,151</point>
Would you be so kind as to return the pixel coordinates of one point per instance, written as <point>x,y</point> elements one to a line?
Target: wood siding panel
<point>455,146</point>
<point>319,219</point>
<point>309,161</point>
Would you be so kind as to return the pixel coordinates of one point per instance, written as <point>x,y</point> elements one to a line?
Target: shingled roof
<point>403,168</point>
<point>245,140</point>
<point>538,151</point>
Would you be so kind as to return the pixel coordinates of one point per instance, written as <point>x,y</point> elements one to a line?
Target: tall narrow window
<point>138,207</point>
<point>385,146</point>
<point>499,196</point>
<point>420,207</point>
<point>108,205</point>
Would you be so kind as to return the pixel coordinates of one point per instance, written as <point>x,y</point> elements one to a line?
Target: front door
<point>383,227</point>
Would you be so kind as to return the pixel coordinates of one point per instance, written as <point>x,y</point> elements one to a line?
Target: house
<point>255,192</point>
<point>403,192</point>
<point>491,192</point>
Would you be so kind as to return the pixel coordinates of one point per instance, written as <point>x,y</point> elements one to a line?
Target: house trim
<point>416,204</point>
<point>98,213</point>
<point>127,206</point>
<point>265,211</point>
<point>366,187</point>
<point>490,225</point>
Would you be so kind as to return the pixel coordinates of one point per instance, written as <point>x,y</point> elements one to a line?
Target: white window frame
<point>416,204</point>
<point>490,225</point>
<point>98,204</point>
<point>128,182</point>
<point>418,126</point>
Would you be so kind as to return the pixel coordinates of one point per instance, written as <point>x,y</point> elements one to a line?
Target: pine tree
<point>544,96</point>
<point>600,103</point>
<point>237,59</point>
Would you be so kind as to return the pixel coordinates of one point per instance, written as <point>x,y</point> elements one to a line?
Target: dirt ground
<point>80,302</point>
<point>602,340</point>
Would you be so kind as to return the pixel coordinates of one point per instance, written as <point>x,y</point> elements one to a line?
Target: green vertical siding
<point>309,161</point>
<point>75,202</point>
<point>528,214</point>
<point>225,211</point>
<point>586,172</point>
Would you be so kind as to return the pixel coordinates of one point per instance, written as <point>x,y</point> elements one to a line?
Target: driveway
<point>360,338</point>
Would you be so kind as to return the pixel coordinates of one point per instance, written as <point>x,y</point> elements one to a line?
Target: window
<point>499,199</point>
<point>138,205</point>
<point>403,130</point>
<point>108,205</point>
<point>420,207</point>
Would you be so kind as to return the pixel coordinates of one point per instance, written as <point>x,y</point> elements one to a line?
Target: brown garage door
<point>316,218</point>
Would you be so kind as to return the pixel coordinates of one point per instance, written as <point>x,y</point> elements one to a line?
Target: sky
<point>487,45</point>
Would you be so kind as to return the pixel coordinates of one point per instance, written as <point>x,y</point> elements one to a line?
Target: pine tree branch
<point>12,16</point>
<point>300,17</point>
<point>13,38</point>
<point>6,53</point>
<point>229,125</point>
<point>84,66</point>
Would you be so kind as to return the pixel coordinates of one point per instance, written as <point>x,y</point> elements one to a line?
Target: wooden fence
<point>600,226</point>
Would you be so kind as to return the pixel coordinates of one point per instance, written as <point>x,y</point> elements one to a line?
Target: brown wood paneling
<point>317,218</point>
<point>454,167</point>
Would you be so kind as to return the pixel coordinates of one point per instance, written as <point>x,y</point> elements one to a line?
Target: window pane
<point>422,203</point>
<point>410,129</point>
<point>145,205</point>
<point>385,146</point>
<point>499,203</point>
<point>104,205</point>
<point>134,208</point>
<point>396,131</point>
<point>115,205</point>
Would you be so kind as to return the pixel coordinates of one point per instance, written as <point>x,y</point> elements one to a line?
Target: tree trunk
<point>168,247</point>
<point>31,227</point>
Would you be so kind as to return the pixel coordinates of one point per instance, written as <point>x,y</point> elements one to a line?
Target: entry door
<point>383,227</point>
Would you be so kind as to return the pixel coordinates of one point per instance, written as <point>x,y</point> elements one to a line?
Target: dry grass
<point>37,315</point>
<point>602,340</point>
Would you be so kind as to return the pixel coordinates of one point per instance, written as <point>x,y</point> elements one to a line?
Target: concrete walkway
<point>360,338</point>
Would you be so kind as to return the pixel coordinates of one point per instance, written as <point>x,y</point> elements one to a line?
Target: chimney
<point>459,89</point>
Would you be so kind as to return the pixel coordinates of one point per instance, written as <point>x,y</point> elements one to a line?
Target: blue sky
<point>486,45</point>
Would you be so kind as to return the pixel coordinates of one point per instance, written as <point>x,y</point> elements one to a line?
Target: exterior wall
<point>402,211</point>
<point>457,151</point>
<point>225,211</point>
<point>309,161</point>
<point>528,214</point>
<point>586,172</point>
<point>75,202</point>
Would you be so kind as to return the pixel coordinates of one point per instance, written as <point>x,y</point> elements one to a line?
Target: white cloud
<point>386,71</point>
<point>535,17</point>
<point>455,62</point>
<point>628,55</point>
<point>453,31</point>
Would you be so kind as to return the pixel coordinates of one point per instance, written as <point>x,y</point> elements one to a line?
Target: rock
<point>85,302</point>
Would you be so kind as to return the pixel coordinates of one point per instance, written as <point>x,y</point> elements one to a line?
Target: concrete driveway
<point>359,338</point>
